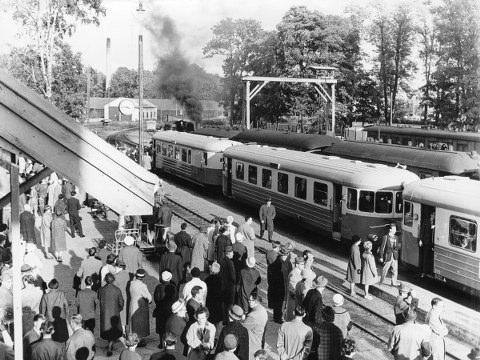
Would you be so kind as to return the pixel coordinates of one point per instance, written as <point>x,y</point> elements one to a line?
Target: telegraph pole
<point>140,10</point>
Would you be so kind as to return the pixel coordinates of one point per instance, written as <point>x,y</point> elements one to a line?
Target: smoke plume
<point>172,72</point>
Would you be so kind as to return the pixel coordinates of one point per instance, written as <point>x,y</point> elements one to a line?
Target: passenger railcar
<point>428,138</point>
<point>192,157</point>
<point>339,196</point>
<point>443,214</point>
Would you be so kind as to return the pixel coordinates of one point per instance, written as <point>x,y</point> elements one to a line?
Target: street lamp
<point>140,11</point>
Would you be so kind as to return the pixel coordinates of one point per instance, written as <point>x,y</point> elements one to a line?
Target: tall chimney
<point>107,68</point>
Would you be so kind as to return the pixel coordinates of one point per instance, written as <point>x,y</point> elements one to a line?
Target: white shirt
<point>187,289</point>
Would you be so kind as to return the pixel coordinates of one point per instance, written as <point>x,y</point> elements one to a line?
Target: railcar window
<point>300,188</point>
<point>282,183</point>
<point>463,233</point>
<point>164,149</point>
<point>408,214</point>
<point>177,153</point>
<point>205,158</point>
<point>267,178</point>
<point>184,155</point>
<point>352,199</point>
<point>383,202</point>
<point>398,202</point>
<point>252,174</point>
<point>170,151</point>
<point>366,202</point>
<point>320,193</point>
<point>189,157</point>
<point>239,171</point>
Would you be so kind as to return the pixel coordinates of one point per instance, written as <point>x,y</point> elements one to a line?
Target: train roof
<point>469,136</point>
<point>205,143</point>
<point>216,132</point>
<point>452,192</point>
<point>289,140</point>
<point>453,162</point>
<point>346,172</point>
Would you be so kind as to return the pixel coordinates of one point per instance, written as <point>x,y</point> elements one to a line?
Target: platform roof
<point>460,135</point>
<point>32,126</point>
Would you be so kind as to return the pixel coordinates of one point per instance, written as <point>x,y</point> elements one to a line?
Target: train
<point>440,229</point>
<point>337,196</point>
<point>341,197</point>
<point>425,138</point>
<point>423,162</point>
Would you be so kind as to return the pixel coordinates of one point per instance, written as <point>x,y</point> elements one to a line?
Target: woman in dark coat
<point>354,268</point>
<point>185,244</point>
<point>164,296</point>
<point>111,303</point>
<point>214,302</point>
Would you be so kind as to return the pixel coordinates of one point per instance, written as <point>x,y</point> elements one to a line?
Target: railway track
<point>363,317</point>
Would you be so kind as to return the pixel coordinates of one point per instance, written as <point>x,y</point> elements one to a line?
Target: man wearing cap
<point>228,275</point>
<point>249,280</point>
<point>278,284</point>
<point>342,316</point>
<point>390,252</point>
<point>294,278</point>
<point>90,266</point>
<point>267,214</point>
<point>294,339</point>
<point>169,352</point>
<point>406,339</point>
<point>255,322</point>
<point>230,346</point>
<point>73,205</point>
<point>27,224</point>
<point>131,256</point>
<point>313,302</point>
<point>139,311</point>
<point>248,233</point>
<point>172,262</point>
<point>234,326</point>
<point>164,296</point>
<point>176,325</point>
<point>200,249</point>
<point>354,267</point>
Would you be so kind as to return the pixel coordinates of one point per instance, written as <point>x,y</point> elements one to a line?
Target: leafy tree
<point>458,68</point>
<point>46,23</point>
<point>234,40</point>
<point>124,83</point>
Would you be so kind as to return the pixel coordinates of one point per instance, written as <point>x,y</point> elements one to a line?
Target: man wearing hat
<point>294,278</point>
<point>176,324</point>
<point>73,205</point>
<point>249,280</point>
<point>313,302</point>
<point>200,249</point>
<point>234,327</point>
<point>139,312</point>
<point>342,316</point>
<point>228,275</point>
<point>267,214</point>
<point>230,344</point>
<point>172,262</point>
<point>164,296</point>
<point>278,284</point>
<point>169,352</point>
<point>131,256</point>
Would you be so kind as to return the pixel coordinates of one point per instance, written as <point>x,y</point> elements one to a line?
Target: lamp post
<point>140,11</point>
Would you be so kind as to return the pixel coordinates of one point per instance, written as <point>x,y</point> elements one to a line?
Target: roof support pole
<point>247,105</point>
<point>17,257</point>
<point>333,110</point>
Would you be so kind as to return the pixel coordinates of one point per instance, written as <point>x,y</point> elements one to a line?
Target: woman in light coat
<point>369,268</point>
<point>45,231</point>
<point>434,319</point>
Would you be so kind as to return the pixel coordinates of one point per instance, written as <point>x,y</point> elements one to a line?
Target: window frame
<point>282,174</point>
<point>473,249</point>
<point>264,184</point>
<point>189,156</point>
<point>411,214</point>
<point>183,155</point>
<point>372,202</point>
<point>249,175</point>
<point>237,164</point>
<point>297,184</point>
<point>315,182</point>
<point>349,200</point>
<point>391,202</point>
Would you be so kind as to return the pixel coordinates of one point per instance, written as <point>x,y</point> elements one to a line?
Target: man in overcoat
<point>313,302</point>
<point>131,256</point>
<point>389,253</point>
<point>163,219</point>
<point>73,205</point>
<point>200,249</point>
<point>277,284</point>
<point>81,338</point>
<point>249,280</point>
<point>139,312</point>
<point>90,266</point>
<point>267,214</point>
<point>173,263</point>
<point>164,296</point>
<point>235,327</point>
<point>255,322</point>
<point>223,241</point>
<point>27,224</point>
<point>111,303</point>
<point>184,245</point>
<point>228,275</point>
<point>354,267</point>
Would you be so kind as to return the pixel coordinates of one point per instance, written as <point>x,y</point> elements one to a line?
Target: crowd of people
<point>207,300</point>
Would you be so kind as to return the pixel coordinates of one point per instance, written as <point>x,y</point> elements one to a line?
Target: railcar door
<point>337,210</point>
<point>227,176</point>
<point>426,239</point>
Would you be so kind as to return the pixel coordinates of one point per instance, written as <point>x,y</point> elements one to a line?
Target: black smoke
<point>172,71</point>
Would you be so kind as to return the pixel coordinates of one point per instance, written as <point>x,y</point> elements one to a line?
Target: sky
<point>193,18</point>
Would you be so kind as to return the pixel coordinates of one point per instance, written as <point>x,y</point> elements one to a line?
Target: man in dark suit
<point>313,302</point>
<point>267,214</point>
<point>163,220</point>
<point>27,225</point>
<point>73,205</point>
<point>389,253</point>
<point>172,262</point>
<point>277,276</point>
<point>229,279</point>
<point>235,327</point>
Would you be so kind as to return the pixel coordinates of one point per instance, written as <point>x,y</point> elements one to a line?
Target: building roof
<point>165,104</point>
<point>99,103</point>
